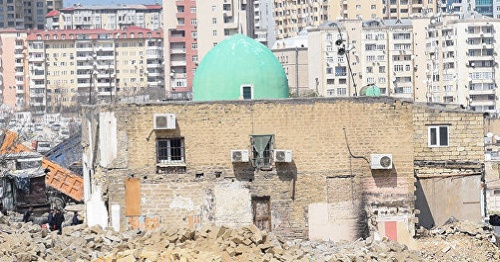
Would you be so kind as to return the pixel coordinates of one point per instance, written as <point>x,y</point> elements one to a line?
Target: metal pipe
<point>297,70</point>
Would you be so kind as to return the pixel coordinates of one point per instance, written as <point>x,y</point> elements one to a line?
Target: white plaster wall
<point>233,205</point>
<point>97,214</point>
<point>333,222</point>
<point>108,140</point>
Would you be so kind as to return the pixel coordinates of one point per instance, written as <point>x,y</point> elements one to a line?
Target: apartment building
<point>69,67</point>
<point>386,9</point>
<point>461,61</point>
<point>108,17</point>
<point>354,54</point>
<point>293,16</point>
<point>262,15</point>
<point>13,82</point>
<point>20,14</point>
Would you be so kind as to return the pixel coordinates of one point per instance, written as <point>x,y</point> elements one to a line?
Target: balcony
<point>154,65</point>
<point>178,63</point>
<point>37,58</point>
<point>177,50</point>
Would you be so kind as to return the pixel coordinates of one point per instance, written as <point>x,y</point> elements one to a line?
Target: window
<point>170,150</point>
<point>262,147</point>
<point>246,92</point>
<point>438,136</point>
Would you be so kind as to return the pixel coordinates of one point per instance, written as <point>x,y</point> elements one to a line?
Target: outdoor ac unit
<point>283,156</point>
<point>239,156</point>
<point>164,121</point>
<point>381,161</point>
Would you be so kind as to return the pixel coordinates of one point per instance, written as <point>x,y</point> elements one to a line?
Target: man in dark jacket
<point>50,219</point>
<point>58,221</point>
<point>75,221</point>
<point>27,215</point>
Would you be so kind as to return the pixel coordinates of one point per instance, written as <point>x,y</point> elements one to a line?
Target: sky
<point>68,3</point>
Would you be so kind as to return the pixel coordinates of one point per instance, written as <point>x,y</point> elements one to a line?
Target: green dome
<point>239,67</point>
<point>370,90</point>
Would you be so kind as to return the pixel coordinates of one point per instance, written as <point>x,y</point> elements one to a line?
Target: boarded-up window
<point>262,212</point>
<point>132,197</point>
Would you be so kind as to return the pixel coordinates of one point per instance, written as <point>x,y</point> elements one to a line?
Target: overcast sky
<point>68,3</point>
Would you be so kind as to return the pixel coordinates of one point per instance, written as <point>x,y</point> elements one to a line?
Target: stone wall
<point>329,184</point>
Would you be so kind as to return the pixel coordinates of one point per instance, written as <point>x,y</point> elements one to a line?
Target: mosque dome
<point>239,68</point>
<point>370,90</point>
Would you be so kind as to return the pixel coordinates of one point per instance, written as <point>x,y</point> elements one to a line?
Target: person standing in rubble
<point>75,221</point>
<point>27,215</point>
<point>58,221</point>
<point>50,219</point>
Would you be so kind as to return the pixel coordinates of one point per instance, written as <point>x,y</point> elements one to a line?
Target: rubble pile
<point>458,241</point>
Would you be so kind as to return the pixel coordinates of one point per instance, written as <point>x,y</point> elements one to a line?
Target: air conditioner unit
<point>283,156</point>
<point>239,156</point>
<point>164,121</point>
<point>381,161</point>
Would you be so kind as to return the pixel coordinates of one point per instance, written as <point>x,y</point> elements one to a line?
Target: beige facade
<point>217,20</point>
<point>294,59</point>
<point>462,57</point>
<point>377,9</point>
<point>330,187</point>
<point>69,67</point>
<point>109,17</point>
<point>291,17</point>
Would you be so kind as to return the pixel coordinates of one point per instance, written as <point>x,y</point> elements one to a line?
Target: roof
<point>235,62</point>
<point>71,34</point>
<point>52,13</point>
<point>113,7</point>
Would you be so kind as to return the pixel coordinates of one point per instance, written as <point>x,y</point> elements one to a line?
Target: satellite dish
<point>489,134</point>
<point>497,138</point>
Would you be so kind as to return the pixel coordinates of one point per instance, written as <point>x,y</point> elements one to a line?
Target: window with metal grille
<point>262,148</point>
<point>170,150</point>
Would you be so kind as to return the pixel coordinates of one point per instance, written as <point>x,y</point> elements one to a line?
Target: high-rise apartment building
<point>21,14</point>
<point>387,9</point>
<point>109,17</point>
<point>292,16</point>
<point>448,58</point>
<point>13,82</point>
<point>377,52</point>
<point>462,65</point>
<point>69,67</point>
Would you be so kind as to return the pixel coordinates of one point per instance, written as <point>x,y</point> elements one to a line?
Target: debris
<point>455,241</point>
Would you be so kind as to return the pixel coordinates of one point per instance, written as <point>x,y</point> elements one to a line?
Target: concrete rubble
<point>457,241</point>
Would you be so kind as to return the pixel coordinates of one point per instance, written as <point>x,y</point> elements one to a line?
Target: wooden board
<point>132,197</point>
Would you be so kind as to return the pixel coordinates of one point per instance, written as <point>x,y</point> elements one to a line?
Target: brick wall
<point>329,138</point>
